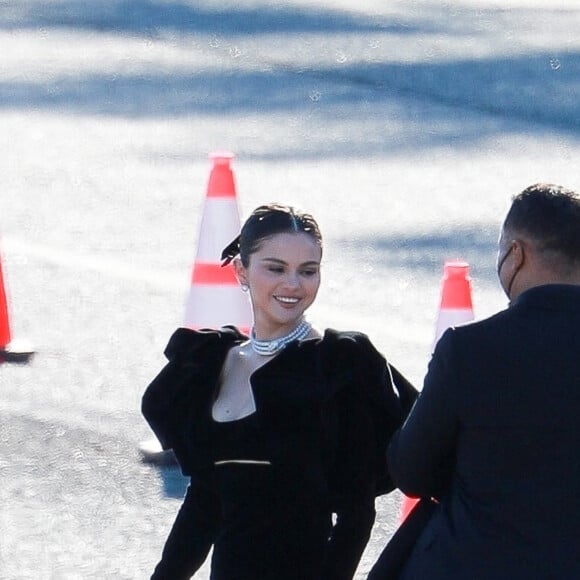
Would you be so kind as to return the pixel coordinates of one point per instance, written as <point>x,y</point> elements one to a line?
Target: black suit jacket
<point>495,434</point>
<point>326,409</point>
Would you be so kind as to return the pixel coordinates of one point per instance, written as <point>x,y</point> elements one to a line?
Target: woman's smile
<point>287,300</point>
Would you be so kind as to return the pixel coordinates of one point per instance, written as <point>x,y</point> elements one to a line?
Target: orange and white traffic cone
<point>215,297</point>
<point>456,304</point>
<point>10,350</point>
<point>456,308</point>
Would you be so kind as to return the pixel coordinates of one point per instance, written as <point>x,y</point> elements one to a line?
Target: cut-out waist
<point>242,462</point>
<point>238,442</point>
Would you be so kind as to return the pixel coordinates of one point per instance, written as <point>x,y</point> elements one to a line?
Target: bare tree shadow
<point>432,102</point>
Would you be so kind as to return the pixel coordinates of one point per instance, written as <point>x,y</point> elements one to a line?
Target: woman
<point>278,431</point>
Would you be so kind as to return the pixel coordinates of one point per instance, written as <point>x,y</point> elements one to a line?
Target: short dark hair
<point>550,215</point>
<point>266,221</point>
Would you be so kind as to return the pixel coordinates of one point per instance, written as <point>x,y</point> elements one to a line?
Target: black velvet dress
<point>302,508</point>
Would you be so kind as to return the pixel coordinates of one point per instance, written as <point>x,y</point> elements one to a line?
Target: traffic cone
<point>10,350</point>
<point>456,305</point>
<point>215,297</point>
<point>456,308</point>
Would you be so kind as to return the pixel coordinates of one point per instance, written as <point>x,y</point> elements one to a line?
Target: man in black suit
<point>495,433</point>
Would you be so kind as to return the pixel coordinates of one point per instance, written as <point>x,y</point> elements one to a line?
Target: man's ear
<point>520,251</point>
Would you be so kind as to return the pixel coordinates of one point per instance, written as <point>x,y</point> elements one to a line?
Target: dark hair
<point>550,215</point>
<point>266,221</point>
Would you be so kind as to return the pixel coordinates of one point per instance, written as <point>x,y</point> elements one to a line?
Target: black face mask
<point>500,263</point>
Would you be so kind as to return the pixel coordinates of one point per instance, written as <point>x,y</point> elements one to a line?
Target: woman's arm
<point>191,536</point>
<point>369,411</point>
<point>353,490</point>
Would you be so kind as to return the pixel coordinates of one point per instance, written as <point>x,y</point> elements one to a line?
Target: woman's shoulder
<point>193,356</point>
<point>351,355</point>
<point>355,350</point>
<point>185,342</point>
<point>352,343</point>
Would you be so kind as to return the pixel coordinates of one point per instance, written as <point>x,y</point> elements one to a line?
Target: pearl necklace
<point>270,347</point>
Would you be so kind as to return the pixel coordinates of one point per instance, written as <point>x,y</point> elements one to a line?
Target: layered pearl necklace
<point>270,347</point>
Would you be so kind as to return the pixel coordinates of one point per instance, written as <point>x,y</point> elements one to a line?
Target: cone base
<point>17,351</point>
<point>152,452</point>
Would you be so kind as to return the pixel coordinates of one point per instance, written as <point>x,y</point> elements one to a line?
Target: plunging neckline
<point>232,409</point>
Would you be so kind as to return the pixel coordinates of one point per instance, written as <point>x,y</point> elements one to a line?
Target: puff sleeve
<point>167,405</point>
<point>369,411</point>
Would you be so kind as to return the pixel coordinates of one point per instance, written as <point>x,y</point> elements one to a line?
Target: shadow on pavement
<point>440,96</point>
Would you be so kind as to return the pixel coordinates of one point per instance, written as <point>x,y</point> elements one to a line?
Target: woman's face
<point>283,277</point>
